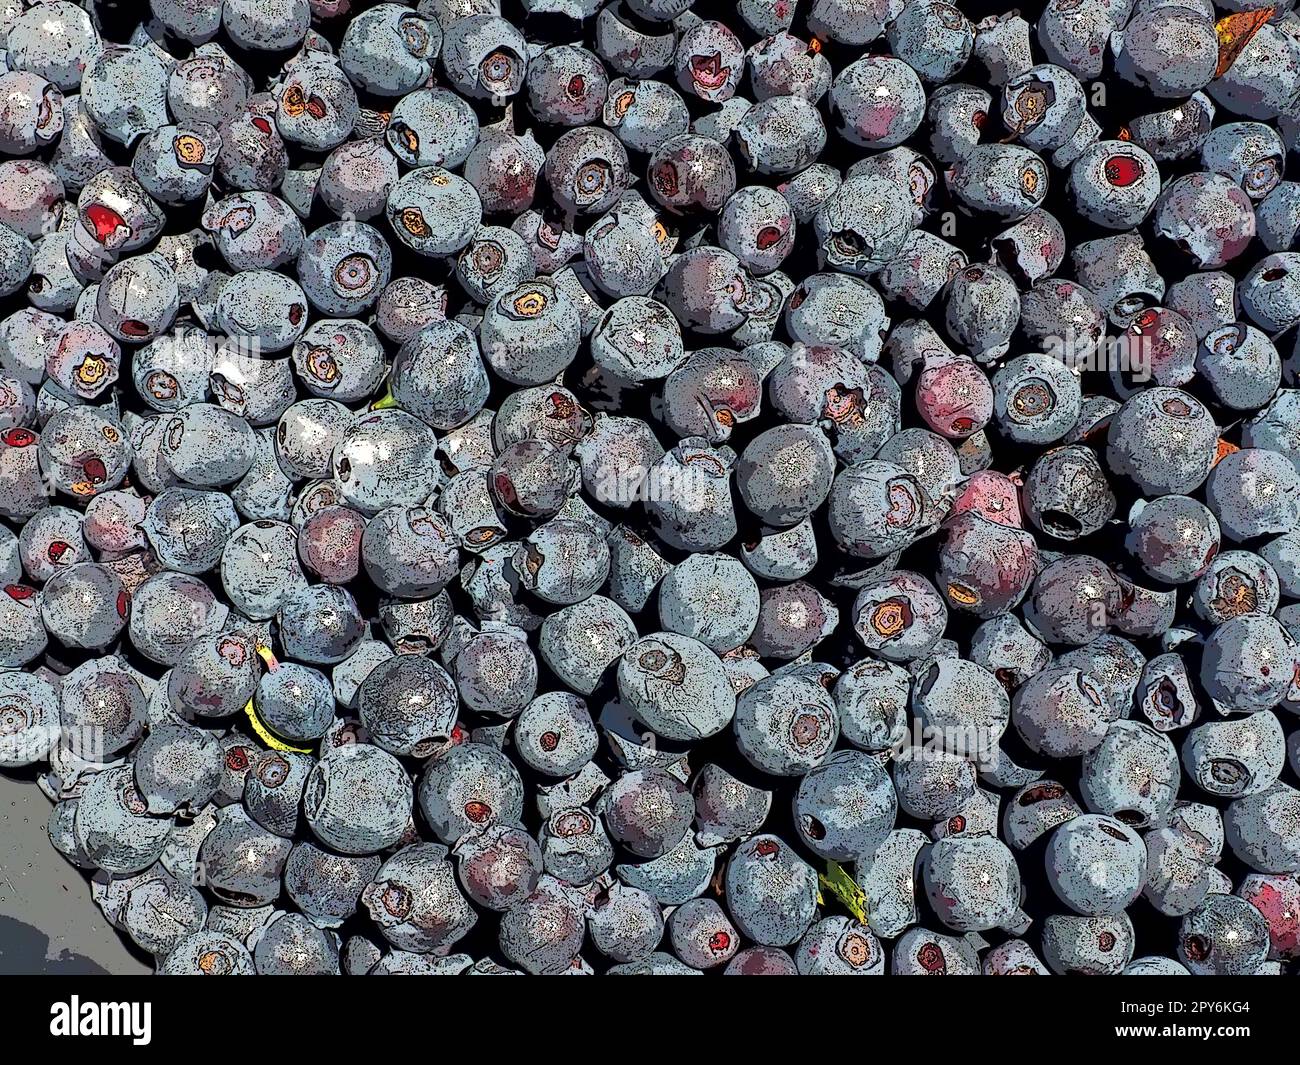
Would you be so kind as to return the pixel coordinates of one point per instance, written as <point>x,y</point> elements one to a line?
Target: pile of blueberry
<point>552,486</point>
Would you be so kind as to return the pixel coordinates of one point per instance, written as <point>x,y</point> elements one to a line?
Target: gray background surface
<point>48,921</point>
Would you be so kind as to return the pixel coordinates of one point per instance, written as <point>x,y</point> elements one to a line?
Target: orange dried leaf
<point>1235,31</point>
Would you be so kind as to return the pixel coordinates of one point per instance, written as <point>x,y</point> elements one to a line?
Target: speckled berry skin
<point>1114,878</point>
<point>771,891</point>
<point>845,807</point>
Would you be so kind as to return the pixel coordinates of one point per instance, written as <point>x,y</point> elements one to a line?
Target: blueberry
<point>384,458</point>
<point>973,883</point>
<point>575,847</point>
<point>85,606</point>
<point>872,698</point>
<point>1254,828</point>
<point>933,38</point>
<point>31,718</point>
<point>268,27</point>
<point>292,946</point>
<point>1164,440</point>
<point>712,392</point>
<point>863,224</point>
<point>319,624</point>
<point>710,598</point>
<point>1278,216</point>
<point>1174,538</point>
<point>343,267</point>
<point>1267,71</point>
<point>1060,712</point>
<point>920,952</point>
<point>1131,751</point>
<point>114,828</point>
<point>691,172</point>
<point>1195,195</point>
<point>785,474</point>
<point>530,334</point>
<point>433,212</point>
<point>932,784</point>
<point>875,508</point>
<point>1096,864</point>
<point>899,616</point>
<point>887,881</point>
<point>177,768</point>
<point>406,306</point>
<point>587,169</point>
<point>562,562</point>
<point>544,932</point>
<point>554,734</point>
<point>839,946</point>
<point>1015,957</point>
<point>692,508</point>
<point>1270,292</point>
<point>1225,936</point>
<point>1170,51</point>
<point>782,554</point>
<point>676,685</point>
<point>1115,184</point>
<point>52,538</point>
<point>1248,663</point>
<point>357,799</point>
<point>785,65</point>
<point>962,705</point>
<point>701,934</point>
<point>231,450</point>
<point>390,50</point>
<point>1236,582</point>
<point>581,641</point>
<point>971,584</point>
<point>1273,897</point>
<point>680,874</point>
<point>845,807</point>
<point>725,808</point>
<point>956,112</point>
<point>567,86</point>
<point>415,901</point>
<point>771,891</point>
<point>786,724</point>
<point>1006,181</point>
<point>1237,757</point>
<point>408,551</point>
<point>496,672</point>
<point>878,101</point>
<point>294,701</point>
<point>643,114</point>
<point>781,135</point>
<point>625,923</point>
<point>484,56</point>
<point>498,866</point>
<point>1254,492</point>
<point>1099,946</point>
<point>470,786</point>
